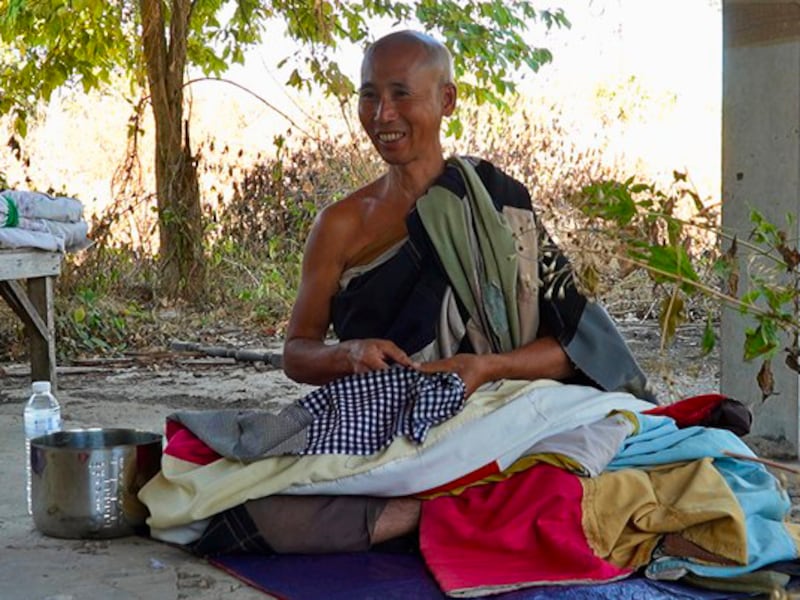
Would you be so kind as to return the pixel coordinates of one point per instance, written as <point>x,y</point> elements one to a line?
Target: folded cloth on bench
<point>37,205</point>
<point>37,220</point>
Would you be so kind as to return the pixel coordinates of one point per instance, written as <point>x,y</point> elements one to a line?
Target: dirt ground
<point>139,391</point>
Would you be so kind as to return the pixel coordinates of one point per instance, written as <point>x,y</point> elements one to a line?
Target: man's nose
<point>386,110</point>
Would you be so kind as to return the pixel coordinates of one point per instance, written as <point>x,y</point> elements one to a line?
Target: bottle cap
<point>41,387</point>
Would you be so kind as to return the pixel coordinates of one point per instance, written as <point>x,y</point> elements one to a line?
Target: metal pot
<point>84,481</point>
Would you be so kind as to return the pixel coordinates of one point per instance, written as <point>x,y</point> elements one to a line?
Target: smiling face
<point>405,92</point>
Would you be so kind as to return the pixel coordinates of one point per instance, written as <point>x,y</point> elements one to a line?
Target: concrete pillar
<point>761,170</point>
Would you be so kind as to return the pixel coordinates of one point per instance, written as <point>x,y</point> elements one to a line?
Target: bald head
<point>406,90</point>
<point>437,54</point>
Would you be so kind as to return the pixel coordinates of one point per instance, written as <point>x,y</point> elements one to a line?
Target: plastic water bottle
<point>42,416</point>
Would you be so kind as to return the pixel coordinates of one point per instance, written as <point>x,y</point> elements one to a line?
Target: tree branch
<point>154,47</point>
<point>176,55</point>
<point>256,96</point>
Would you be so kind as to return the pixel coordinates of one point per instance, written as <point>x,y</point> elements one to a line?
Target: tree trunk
<point>178,195</point>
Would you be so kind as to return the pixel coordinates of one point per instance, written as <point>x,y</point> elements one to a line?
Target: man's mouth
<point>390,136</point>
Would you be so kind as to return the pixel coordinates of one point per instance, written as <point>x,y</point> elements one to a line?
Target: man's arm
<point>543,358</point>
<point>306,356</point>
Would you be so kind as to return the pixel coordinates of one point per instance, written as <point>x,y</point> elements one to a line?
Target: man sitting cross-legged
<point>436,266</point>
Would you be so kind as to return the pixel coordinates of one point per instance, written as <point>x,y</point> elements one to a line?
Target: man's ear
<point>449,94</point>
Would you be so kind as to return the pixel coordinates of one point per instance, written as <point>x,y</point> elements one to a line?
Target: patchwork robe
<point>478,273</point>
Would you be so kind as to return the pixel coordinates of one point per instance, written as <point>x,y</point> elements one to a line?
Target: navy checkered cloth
<point>361,414</point>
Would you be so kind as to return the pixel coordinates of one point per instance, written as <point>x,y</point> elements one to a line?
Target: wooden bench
<point>33,303</point>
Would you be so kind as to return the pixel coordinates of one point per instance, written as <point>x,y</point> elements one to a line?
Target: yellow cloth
<point>626,512</point>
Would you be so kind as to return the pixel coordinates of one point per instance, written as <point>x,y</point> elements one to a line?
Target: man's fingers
<point>377,355</point>
<point>397,355</point>
<point>431,367</point>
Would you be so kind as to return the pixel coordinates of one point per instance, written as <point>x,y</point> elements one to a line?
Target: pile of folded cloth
<point>37,220</point>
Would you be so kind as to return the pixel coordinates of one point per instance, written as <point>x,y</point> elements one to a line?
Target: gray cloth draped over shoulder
<point>469,278</point>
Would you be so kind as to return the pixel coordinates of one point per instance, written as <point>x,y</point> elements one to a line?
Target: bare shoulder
<point>341,226</point>
<point>349,211</point>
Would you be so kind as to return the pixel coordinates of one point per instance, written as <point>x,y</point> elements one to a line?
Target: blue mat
<point>390,576</point>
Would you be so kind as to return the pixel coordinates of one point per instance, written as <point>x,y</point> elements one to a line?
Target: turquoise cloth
<point>659,441</point>
<point>764,503</point>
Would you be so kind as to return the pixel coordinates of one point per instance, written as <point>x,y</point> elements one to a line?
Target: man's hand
<point>543,358</point>
<point>374,355</point>
<point>470,367</point>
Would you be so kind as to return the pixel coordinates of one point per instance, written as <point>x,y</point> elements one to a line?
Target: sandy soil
<point>139,392</point>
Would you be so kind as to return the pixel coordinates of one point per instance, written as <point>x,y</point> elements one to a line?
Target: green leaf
<point>455,128</point>
<point>609,200</point>
<point>776,296</point>
<point>669,263</point>
<point>722,267</point>
<point>763,340</point>
<point>21,124</point>
<point>79,314</point>
<point>764,232</point>
<point>751,296</point>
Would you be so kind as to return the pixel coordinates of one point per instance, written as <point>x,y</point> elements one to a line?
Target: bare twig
<point>763,461</point>
<point>677,278</point>
<point>252,93</point>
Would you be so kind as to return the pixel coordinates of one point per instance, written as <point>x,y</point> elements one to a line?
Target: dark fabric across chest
<point>401,299</point>
<point>398,300</point>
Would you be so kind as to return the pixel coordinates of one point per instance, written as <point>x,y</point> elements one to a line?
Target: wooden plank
<point>36,307</point>
<point>16,297</point>
<point>11,299</point>
<point>23,264</point>
<point>42,347</point>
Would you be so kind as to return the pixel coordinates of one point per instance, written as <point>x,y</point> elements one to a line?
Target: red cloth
<point>691,411</point>
<point>526,530</point>
<point>183,444</point>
